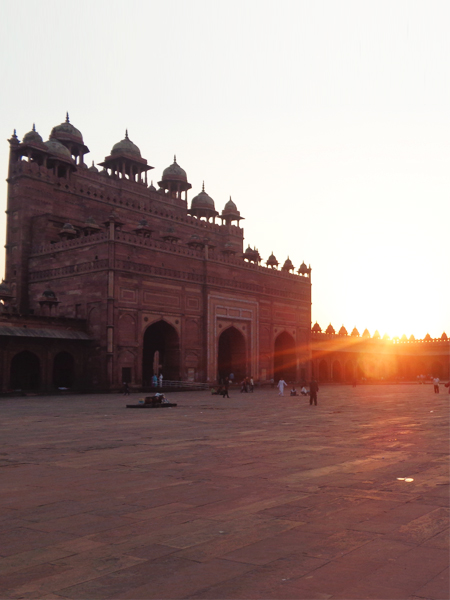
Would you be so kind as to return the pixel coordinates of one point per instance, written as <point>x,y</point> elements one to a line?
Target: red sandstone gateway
<point>109,280</point>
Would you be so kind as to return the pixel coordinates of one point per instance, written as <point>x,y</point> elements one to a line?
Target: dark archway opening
<point>63,370</point>
<point>232,355</point>
<point>350,371</point>
<point>284,358</point>
<point>437,369</point>
<point>337,371</point>
<point>323,370</point>
<point>25,373</point>
<point>161,353</point>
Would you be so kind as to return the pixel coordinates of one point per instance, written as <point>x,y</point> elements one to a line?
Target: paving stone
<point>437,588</point>
<point>243,498</point>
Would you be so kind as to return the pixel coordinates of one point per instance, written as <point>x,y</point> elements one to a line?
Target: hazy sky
<point>326,121</point>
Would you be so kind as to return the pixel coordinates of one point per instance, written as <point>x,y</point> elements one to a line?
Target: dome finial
<point>174,158</point>
<point>34,127</point>
<point>67,117</point>
<point>93,163</point>
<point>203,186</point>
<point>126,134</point>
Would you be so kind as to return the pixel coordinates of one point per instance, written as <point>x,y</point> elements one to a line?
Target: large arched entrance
<point>337,371</point>
<point>232,355</point>
<point>285,358</point>
<point>349,370</point>
<point>25,373</point>
<point>437,369</point>
<point>63,370</point>
<point>323,370</point>
<point>161,353</point>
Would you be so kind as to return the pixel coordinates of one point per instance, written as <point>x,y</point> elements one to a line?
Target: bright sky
<point>327,122</point>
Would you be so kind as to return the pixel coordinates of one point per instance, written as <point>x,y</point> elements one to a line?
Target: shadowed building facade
<point>135,280</point>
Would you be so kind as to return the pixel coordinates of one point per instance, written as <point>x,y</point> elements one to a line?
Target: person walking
<point>281,385</point>
<point>160,380</point>
<point>313,389</point>
<point>226,385</point>
<point>436,385</point>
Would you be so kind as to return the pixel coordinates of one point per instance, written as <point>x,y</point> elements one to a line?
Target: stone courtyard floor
<point>255,497</point>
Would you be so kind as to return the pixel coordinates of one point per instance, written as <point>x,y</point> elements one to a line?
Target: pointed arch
<point>285,357</point>
<point>25,371</point>
<point>337,371</point>
<point>161,338</point>
<point>63,370</point>
<point>232,354</point>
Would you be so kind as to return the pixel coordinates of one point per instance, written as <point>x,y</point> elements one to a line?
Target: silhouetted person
<point>126,389</point>
<point>313,389</point>
<point>225,388</point>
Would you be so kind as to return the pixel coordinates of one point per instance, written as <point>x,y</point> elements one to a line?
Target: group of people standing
<point>247,385</point>
<point>157,380</point>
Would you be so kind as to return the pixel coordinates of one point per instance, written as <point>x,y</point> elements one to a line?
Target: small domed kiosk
<point>33,148</point>
<point>125,162</point>
<point>174,180</point>
<point>288,266</point>
<point>230,213</point>
<point>70,137</point>
<point>252,255</point>
<point>202,205</point>
<point>272,261</point>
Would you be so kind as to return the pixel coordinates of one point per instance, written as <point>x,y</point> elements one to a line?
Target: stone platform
<point>276,500</point>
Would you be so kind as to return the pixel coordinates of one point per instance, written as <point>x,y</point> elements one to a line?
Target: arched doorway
<point>232,355</point>
<point>160,338</point>
<point>63,370</point>
<point>285,358</point>
<point>337,371</point>
<point>349,370</point>
<point>323,370</point>
<point>437,369</point>
<point>25,372</point>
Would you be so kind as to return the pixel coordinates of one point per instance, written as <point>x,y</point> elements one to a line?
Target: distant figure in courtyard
<point>231,377</point>
<point>304,391</point>
<point>447,385</point>
<point>436,385</point>
<point>126,389</point>
<point>226,385</point>
<point>160,380</point>
<point>313,389</point>
<point>294,391</point>
<point>154,381</point>
<point>244,385</point>
<point>281,385</point>
<point>252,384</point>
